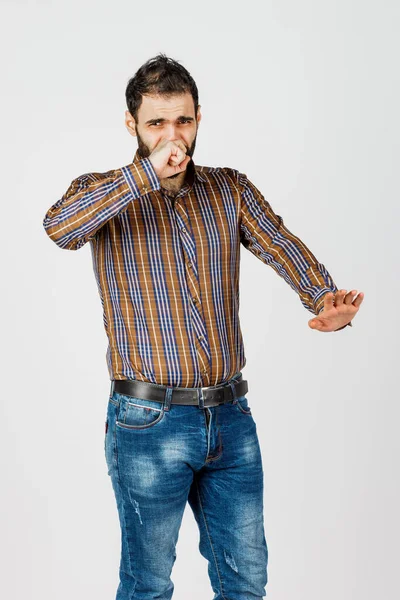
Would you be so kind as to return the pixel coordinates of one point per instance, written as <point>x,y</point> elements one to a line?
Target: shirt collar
<point>193,172</point>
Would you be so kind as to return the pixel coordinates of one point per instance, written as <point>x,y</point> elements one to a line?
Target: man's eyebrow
<point>164,120</point>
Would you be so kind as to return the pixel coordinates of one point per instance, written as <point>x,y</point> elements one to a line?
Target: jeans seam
<point>118,483</point>
<point>211,544</point>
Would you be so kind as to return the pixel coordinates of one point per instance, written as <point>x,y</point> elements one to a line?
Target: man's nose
<point>172,133</point>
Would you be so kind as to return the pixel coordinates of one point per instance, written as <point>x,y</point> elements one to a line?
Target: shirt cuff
<point>319,304</point>
<point>141,177</point>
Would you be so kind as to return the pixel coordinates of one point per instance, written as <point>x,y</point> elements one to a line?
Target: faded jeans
<point>160,459</point>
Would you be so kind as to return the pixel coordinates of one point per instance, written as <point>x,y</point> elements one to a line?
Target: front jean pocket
<point>137,413</point>
<point>242,405</point>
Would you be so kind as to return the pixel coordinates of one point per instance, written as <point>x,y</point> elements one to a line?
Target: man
<point>165,238</point>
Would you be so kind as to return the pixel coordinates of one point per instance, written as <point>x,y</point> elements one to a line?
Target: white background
<point>303,97</point>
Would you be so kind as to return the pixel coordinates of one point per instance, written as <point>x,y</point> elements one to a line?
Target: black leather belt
<point>213,395</point>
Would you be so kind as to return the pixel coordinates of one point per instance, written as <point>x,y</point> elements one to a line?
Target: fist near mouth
<point>169,158</point>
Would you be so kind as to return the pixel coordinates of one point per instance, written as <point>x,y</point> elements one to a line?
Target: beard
<point>145,151</point>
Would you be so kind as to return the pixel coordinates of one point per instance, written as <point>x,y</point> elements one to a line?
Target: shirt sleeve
<point>264,233</point>
<point>94,198</point>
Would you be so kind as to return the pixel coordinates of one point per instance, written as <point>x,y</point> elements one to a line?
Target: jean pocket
<point>137,413</point>
<point>242,404</point>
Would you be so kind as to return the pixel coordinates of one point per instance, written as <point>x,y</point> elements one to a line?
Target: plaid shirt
<point>167,268</point>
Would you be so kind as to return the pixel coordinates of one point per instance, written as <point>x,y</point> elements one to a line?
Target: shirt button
<point>189,265</point>
<point>183,229</point>
<point>144,190</point>
<point>201,337</point>
<point>205,372</point>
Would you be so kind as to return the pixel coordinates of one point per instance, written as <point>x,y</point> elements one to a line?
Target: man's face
<point>162,118</point>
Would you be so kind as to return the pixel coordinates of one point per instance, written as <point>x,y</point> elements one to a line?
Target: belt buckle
<point>200,397</point>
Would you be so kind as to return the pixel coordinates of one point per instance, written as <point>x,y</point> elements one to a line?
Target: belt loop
<point>112,388</point>
<point>167,398</point>
<point>233,388</point>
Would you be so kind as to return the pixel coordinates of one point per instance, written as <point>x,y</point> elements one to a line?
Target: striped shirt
<point>167,267</point>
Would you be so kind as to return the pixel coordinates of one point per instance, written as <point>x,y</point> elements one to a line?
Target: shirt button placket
<point>193,288</point>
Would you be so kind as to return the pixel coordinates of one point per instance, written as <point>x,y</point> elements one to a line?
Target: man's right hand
<point>169,158</point>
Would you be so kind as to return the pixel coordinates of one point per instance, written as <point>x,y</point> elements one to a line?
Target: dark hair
<point>159,75</point>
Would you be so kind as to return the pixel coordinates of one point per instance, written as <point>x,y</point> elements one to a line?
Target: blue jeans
<point>158,459</point>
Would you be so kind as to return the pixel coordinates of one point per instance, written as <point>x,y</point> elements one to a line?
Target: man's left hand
<point>339,309</point>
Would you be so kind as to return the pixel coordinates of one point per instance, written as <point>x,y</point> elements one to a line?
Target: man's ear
<point>130,123</point>
<point>199,115</point>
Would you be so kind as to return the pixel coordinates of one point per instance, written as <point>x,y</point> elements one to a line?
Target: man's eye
<point>183,122</point>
